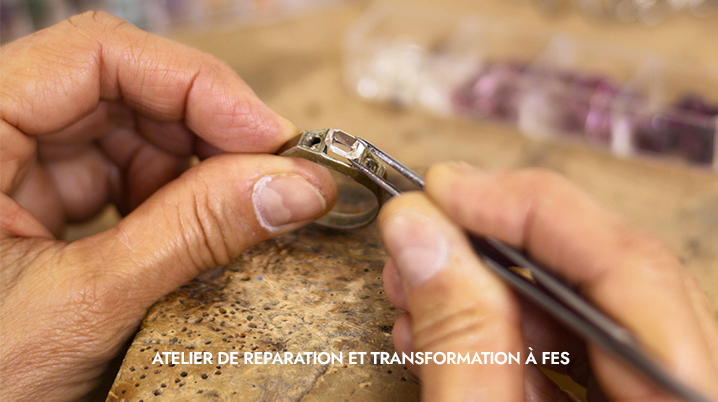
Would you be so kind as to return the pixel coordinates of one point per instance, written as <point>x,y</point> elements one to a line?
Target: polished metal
<point>334,149</point>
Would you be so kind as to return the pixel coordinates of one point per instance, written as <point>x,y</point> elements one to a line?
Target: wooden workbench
<point>317,290</point>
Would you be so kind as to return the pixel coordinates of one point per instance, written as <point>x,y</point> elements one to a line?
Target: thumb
<point>456,305</point>
<point>203,219</point>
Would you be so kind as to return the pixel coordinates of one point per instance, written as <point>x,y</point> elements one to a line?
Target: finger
<point>91,127</point>
<point>455,304</point>
<point>97,56</point>
<point>594,393</point>
<point>393,285</point>
<point>173,137</point>
<point>18,221</point>
<point>58,76</point>
<point>627,273</point>
<point>540,332</point>
<point>705,315</point>
<point>145,167</point>
<point>543,334</point>
<point>16,157</point>
<point>88,180</point>
<point>205,150</point>
<point>401,334</point>
<point>540,388</point>
<point>84,182</point>
<point>149,169</point>
<point>38,195</point>
<point>203,219</point>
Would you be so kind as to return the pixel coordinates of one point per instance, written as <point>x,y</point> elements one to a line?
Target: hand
<point>92,111</point>
<point>455,304</point>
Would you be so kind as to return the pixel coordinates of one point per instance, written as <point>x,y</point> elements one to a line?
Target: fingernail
<point>286,198</point>
<point>417,245</point>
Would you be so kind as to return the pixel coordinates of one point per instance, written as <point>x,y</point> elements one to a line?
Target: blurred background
<point>546,82</point>
<point>20,17</point>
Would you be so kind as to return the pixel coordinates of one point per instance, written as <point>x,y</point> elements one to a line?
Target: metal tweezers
<point>549,292</point>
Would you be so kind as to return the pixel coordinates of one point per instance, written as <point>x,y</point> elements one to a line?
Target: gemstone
<point>344,145</point>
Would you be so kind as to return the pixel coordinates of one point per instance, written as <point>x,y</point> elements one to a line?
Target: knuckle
<point>656,262</point>
<point>468,327</point>
<point>92,19</point>
<point>630,238</point>
<point>204,237</point>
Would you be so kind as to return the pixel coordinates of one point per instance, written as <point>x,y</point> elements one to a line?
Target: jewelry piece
<point>334,149</point>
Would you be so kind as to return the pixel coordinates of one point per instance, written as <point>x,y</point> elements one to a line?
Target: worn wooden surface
<point>322,291</point>
<point>313,290</point>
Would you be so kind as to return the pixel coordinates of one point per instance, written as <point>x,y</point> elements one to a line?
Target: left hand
<point>94,110</point>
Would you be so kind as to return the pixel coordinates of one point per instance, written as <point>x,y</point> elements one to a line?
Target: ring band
<point>328,147</point>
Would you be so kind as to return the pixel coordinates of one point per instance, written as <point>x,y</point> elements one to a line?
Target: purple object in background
<point>578,104</point>
<point>575,105</point>
<point>687,131</point>
<point>493,92</point>
<point>585,105</point>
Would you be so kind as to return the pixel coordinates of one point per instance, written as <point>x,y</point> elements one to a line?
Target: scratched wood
<point>310,291</point>
<point>321,290</point>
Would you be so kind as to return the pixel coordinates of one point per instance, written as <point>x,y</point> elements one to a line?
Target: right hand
<point>455,304</point>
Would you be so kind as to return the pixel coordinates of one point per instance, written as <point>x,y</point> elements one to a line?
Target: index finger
<point>57,76</point>
<point>633,277</point>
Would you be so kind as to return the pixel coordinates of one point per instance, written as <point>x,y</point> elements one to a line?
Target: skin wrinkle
<point>209,224</point>
<point>28,256</point>
<point>432,335</point>
<point>196,239</point>
<point>240,113</point>
<point>186,236</point>
<point>206,258</point>
<point>190,87</point>
<point>219,217</point>
<point>73,78</point>
<point>142,71</point>
<point>20,100</point>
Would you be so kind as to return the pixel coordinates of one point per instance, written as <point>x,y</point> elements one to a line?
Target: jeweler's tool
<point>540,286</point>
